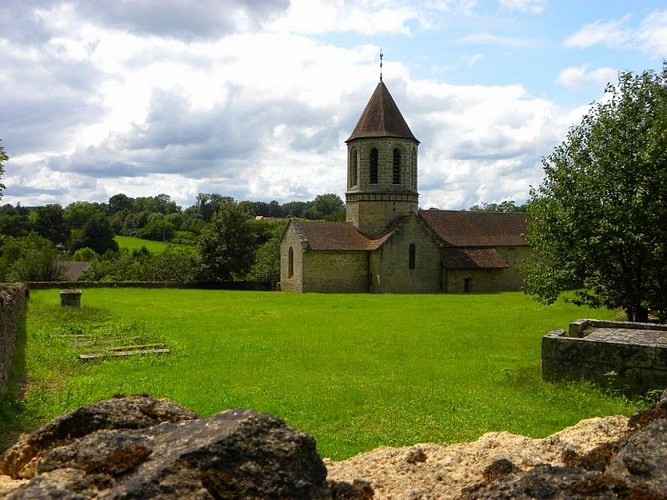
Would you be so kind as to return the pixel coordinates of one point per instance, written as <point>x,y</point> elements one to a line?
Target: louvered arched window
<point>396,166</point>
<point>353,167</point>
<point>373,174</point>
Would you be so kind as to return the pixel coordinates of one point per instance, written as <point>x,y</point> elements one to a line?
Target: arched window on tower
<point>412,256</point>
<point>373,174</point>
<point>353,167</point>
<point>290,263</point>
<point>396,167</point>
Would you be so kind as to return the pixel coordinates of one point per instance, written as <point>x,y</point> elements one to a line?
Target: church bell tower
<point>381,166</point>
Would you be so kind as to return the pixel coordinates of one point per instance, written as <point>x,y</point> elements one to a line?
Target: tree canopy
<point>227,244</point>
<point>598,222</point>
<point>503,206</point>
<point>3,157</point>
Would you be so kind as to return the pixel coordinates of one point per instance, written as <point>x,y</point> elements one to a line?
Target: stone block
<point>70,298</point>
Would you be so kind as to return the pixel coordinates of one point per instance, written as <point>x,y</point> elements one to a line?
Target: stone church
<point>388,245</point>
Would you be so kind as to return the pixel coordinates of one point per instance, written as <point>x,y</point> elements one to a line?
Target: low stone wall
<point>12,309</point>
<point>631,357</point>
<point>227,285</point>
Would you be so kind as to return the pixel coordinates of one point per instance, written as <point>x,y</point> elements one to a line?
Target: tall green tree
<point>3,157</point>
<point>227,245</point>
<point>599,220</point>
<point>77,214</point>
<point>50,223</point>
<point>266,268</point>
<point>97,234</point>
<point>326,206</point>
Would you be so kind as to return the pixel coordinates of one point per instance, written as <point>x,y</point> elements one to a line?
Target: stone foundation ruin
<point>628,356</point>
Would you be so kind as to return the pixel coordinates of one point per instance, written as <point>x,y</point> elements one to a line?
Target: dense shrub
<point>32,258</point>
<point>141,265</point>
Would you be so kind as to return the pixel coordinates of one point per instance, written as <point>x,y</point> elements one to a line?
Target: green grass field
<point>356,371</point>
<point>132,243</point>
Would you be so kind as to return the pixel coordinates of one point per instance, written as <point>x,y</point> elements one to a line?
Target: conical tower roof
<point>381,118</point>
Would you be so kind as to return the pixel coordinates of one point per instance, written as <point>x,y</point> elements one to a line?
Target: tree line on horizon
<point>32,239</point>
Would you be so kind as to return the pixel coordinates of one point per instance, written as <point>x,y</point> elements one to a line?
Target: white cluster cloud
<point>608,33</point>
<point>653,34</point>
<point>579,76</point>
<point>532,6</point>
<point>255,99</point>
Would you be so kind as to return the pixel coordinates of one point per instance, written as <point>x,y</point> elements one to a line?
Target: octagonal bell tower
<point>381,166</point>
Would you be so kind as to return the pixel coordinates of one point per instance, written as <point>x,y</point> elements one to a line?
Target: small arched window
<point>353,167</point>
<point>290,262</point>
<point>396,167</point>
<point>373,174</point>
<point>412,256</point>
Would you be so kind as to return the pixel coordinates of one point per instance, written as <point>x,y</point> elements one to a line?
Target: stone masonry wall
<point>488,280</point>
<point>337,272</point>
<point>293,282</point>
<point>390,264</point>
<point>628,356</point>
<point>372,207</point>
<point>12,310</point>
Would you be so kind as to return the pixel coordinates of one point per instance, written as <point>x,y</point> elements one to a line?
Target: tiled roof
<point>476,229</point>
<point>73,269</point>
<point>472,258</point>
<point>335,236</point>
<point>381,118</point>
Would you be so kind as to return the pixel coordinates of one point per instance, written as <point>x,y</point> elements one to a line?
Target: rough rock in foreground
<point>140,447</point>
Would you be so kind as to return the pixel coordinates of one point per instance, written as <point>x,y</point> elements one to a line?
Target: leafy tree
<point>77,214</point>
<point>158,229</point>
<point>165,205</point>
<point>266,268</point>
<point>227,245</point>
<point>294,208</point>
<point>50,223</point>
<point>14,221</point>
<point>84,255</point>
<point>119,203</point>
<point>98,235</point>
<point>599,220</point>
<point>326,206</point>
<point>3,157</point>
<point>207,204</point>
<point>135,221</point>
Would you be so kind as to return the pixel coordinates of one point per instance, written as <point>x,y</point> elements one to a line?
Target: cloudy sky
<point>254,99</point>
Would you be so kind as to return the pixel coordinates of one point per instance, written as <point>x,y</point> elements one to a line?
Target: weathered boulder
<point>145,448</point>
<point>641,461</point>
<point>135,412</point>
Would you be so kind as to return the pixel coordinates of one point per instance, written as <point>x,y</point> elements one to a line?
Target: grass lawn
<point>356,371</point>
<point>132,243</point>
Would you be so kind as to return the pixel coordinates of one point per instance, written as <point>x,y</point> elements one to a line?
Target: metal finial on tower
<point>380,64</point>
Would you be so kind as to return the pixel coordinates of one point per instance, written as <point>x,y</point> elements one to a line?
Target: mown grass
<point>356,371</point>
<point>132,243</point>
